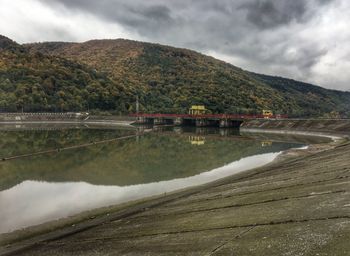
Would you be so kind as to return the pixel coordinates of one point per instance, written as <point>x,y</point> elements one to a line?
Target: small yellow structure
<point>267,113</point>
<point>197,110</point>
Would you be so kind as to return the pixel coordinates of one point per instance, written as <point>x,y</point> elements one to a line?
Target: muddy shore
<point>297,205</point>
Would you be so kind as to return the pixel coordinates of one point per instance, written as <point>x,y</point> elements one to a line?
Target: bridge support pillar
<point>202,122</point>
<point>158,121</point>
<point>144,120</point>
<point>163,121</point>
<point>225,123</point>
<point>178,121</point>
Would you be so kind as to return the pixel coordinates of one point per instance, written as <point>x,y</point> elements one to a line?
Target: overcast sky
<point>307,40</point>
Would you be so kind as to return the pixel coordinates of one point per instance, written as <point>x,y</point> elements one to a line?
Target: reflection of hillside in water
<point>14,142</point>
<point>163,155</point>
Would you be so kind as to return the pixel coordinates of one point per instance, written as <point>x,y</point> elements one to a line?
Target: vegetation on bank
<point>107,75</point>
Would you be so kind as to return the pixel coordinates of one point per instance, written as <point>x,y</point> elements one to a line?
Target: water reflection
<point>34,202</point>
<point>196,140</point>
<point>49,186</point>
<point>162,155</point>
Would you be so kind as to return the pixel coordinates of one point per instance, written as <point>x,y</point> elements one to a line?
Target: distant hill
<point>316,100</point>
<point>169,79</point>
<point>38,82</point>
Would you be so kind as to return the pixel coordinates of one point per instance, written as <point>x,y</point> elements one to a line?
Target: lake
<point>49,172</point>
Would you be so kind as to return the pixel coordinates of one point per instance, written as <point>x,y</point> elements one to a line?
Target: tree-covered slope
<point>169,79</point>
<point>108,74</point>
<point>308,97</point>
<point>38,82</point>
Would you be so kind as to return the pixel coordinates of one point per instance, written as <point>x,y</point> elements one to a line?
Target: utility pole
<point>137,105</point>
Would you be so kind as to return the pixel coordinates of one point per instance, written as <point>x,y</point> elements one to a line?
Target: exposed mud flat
<point>296,205</point>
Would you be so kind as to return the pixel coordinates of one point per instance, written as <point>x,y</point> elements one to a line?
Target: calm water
<point>60,183</point>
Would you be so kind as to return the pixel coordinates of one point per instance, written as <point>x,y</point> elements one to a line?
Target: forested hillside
<point>308,97</point>
<point>108,74</point>
<point>170,79</point>
<point>36,82</point>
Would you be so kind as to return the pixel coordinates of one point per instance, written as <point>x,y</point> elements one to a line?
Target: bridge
<point>199,120</point>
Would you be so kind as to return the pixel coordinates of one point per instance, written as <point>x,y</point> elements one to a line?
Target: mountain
<point>308,96</point>
<point>169,80</point>
<point>37,82</point>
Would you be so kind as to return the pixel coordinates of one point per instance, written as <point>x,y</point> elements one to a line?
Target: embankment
<point>331,126</point>
<point>41,117</point>
<point>76,118</point>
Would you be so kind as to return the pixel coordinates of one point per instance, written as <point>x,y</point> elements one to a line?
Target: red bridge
<point>219,120</point>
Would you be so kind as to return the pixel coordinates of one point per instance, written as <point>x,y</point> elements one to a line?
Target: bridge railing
<point>215,116</point>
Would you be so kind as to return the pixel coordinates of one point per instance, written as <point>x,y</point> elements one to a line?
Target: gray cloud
<point>269,14</point>
<point>275,37</point>
<point>143,17</point>
<point>139,13</point>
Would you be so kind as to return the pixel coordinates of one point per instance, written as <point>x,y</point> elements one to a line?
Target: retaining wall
<point>311,125</point>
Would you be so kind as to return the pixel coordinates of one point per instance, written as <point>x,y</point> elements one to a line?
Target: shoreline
<point>333,136</point>
<point>93,218</point>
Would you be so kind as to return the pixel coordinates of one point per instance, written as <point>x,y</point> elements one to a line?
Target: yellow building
<point>197,110</point>
<point>267,113</point>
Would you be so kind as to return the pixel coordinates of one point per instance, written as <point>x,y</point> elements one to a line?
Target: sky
<point>306,40</point>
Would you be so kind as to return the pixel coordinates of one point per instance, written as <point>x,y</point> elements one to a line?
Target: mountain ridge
<point>32,47</point>
<point>169,79</point>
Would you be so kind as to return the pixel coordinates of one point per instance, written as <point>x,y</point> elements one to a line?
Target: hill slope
<point>309,96</point>
<point>170,79</point>
<point>107,75</point>
<point>37,82</point>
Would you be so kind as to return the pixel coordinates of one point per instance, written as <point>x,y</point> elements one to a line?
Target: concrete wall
<point>315,125</point>
<point>18,117</point>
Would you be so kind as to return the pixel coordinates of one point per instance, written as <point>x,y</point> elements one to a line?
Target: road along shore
<point>296,205</point>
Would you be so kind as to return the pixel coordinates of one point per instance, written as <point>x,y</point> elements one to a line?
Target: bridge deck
<point>205,116</point>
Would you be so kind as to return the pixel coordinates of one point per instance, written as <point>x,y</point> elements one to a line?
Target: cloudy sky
<point>302,39</point>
